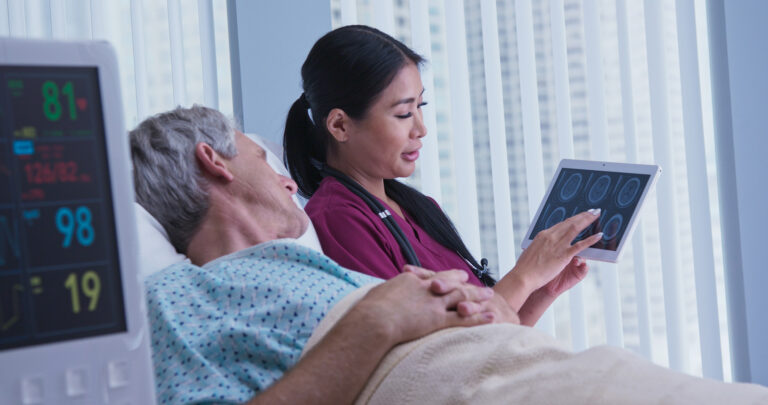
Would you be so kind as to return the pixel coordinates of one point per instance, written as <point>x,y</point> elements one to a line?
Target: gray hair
<point>168,181</point>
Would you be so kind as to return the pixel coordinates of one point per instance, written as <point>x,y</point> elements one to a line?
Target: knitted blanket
<point>513,364</point>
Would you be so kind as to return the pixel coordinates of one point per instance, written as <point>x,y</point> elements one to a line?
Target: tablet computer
<point>618,189</point>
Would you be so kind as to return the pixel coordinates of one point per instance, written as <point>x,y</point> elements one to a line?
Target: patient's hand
<point>447,281</point>
<point>407,308</point>
<point>502,312</point>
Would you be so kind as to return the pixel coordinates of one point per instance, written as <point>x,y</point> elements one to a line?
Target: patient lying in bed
<point>504,363</point>
<point>230,325</point>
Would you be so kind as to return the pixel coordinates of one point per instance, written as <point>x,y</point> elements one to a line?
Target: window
<point>595,97</point>
<point>167,56</point>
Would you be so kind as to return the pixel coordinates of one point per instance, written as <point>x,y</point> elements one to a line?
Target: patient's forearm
<point>337,369</point>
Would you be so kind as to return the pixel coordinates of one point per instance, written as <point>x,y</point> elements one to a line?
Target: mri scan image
<point>577,190</point>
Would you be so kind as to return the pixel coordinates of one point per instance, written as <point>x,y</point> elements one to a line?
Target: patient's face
<point>268,193</point>
<point>385,143</point>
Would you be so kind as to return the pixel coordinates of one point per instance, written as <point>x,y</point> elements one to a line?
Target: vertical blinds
<point>553,87</point>
<point>146,45</point>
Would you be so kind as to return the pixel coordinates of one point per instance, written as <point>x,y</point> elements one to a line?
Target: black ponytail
<point>434,221</point>
<point>301,145</point>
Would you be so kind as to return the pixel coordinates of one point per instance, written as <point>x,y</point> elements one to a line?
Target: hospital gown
<point>224,332</point>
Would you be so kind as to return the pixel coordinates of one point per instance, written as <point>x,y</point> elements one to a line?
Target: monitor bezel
<point>117,346</point>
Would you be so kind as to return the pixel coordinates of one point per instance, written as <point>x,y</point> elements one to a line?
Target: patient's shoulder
<point>179,276</point>
<point>172,274</point>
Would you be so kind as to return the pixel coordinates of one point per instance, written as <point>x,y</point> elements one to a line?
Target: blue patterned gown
<point>226,331</point>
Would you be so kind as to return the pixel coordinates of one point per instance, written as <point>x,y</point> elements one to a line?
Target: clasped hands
<point>419,301</point>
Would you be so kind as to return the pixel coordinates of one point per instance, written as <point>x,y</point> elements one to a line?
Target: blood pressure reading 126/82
<point>59,267</point>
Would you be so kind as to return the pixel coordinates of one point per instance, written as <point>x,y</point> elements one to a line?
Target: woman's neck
<point>373,185</point>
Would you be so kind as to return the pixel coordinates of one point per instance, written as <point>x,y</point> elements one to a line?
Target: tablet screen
<point>576,190</point>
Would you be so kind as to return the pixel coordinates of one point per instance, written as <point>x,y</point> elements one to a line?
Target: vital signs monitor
<point>72,321</point>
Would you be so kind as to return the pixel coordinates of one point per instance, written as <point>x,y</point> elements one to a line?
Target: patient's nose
<point>289,184</point>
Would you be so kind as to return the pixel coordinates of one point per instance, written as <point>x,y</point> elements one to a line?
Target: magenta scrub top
<point>356,238</point>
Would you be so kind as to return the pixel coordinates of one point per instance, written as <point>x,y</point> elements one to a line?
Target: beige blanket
<point>512,364</point>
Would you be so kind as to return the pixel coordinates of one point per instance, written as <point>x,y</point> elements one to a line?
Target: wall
<point>269,41</point>
<point>739,58</point>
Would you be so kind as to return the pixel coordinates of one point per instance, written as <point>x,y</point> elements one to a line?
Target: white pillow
<point>156,251</point>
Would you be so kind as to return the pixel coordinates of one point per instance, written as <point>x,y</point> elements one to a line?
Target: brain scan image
<point>599,189</point>
<point>612,226</point>
<point>628,193</point>
<point>558,215</point>
<point>577,190</point>
<point>571,187</point>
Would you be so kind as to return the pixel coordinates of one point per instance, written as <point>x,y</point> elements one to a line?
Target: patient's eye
<point>422,104</point>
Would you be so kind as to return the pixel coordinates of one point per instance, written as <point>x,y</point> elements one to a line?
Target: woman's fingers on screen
<point>585,243</point>
<point>574,225</point>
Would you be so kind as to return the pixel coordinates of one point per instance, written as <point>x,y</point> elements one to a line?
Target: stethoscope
<point>377,208</point>
<point>384,214</point>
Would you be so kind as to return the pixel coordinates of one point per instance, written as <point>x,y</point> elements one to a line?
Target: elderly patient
<point>230,326</point>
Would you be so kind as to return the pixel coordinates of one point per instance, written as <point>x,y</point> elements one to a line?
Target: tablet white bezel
<point>600,254</point>
<point>104,359</point>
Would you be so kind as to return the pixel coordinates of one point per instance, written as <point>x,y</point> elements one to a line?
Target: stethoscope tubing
<point>378,209</point>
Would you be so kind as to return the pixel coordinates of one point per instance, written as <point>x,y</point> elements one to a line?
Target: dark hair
<point>348,68</point>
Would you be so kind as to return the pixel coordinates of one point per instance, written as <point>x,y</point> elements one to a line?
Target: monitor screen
<point>576,190</point>
<point>59,267</point>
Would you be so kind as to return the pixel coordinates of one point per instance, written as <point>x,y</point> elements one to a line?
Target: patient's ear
<point>212,163</point>
<point>338,124</point>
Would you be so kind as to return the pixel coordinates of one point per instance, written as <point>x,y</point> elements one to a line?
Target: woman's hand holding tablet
<point>547,257</point>
<point>618,189</point>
